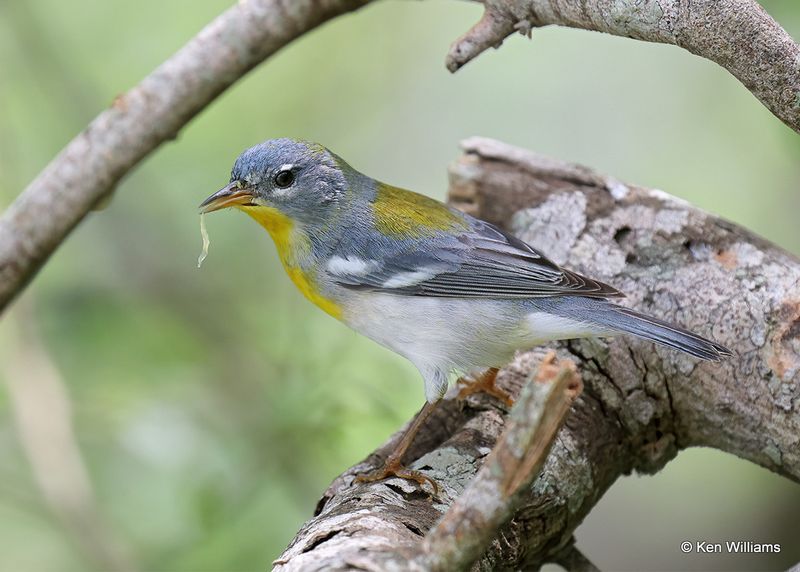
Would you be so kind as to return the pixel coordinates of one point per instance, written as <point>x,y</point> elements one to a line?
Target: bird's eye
<point>284,178</point>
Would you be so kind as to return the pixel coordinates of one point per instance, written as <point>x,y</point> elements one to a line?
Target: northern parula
<point>445,290</point>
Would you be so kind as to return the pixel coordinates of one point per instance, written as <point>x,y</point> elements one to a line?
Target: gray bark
<point>505,477</point>
<point>641,404</point>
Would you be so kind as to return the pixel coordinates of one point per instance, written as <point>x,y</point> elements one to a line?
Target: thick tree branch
<point>737,34</point>
<point>138,121</point>
<point>641,403</point>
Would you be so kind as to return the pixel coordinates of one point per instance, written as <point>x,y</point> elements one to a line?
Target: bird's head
<point>298,180</point>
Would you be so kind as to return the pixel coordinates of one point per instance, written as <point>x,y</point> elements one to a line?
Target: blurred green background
<point>212,407</point>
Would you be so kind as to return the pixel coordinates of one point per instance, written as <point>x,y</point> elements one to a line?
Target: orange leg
<point>393,467</point>
<point>485,383</point>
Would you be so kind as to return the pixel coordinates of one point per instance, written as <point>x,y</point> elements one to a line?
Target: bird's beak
<point>228,196</point>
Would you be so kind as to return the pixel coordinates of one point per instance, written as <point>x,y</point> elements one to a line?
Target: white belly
<point>459,333</point>
<point>451,334</point>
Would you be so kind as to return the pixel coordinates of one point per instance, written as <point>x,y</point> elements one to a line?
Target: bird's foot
<point>394,468</point>
<point>484,383</point>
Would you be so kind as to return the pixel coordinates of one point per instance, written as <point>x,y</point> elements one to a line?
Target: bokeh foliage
<point>213,406</point>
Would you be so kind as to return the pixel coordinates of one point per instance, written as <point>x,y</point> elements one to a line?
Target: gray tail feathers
<point>621,319</point>
<point>667,334</point>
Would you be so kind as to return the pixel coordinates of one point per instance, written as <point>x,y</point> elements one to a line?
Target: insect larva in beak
<point>206,241</point>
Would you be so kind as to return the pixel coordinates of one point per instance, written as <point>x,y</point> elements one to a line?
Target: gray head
<point>301,180</point>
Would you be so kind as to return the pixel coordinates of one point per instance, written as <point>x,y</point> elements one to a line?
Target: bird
<point>447,291</point>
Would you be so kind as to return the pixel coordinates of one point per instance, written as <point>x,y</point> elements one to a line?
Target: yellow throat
<point>289,243</point>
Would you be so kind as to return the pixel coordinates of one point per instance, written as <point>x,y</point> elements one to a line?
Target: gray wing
<point>483,263</point>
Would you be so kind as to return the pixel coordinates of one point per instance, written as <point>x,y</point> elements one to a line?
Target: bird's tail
<point>621,319</point>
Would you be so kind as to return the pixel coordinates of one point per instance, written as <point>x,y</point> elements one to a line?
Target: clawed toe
<point>484,383</point>
<point>395,469</point>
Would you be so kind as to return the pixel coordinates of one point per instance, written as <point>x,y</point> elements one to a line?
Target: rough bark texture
<point>641,404</point>
<point>503,481</point>
<point>138,121</point>
<point>737,34</point>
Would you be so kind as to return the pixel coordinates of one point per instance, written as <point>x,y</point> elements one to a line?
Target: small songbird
<point>447,291</point>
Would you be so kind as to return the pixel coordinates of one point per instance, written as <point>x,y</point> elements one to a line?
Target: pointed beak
<point>228,196</point>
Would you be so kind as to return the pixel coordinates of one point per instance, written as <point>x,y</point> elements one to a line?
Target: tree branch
<point>138,121</point>
<point>737,34</point>
<point>489,501</point>
<point>641,403</point>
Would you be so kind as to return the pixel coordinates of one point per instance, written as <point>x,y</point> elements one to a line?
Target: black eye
<point>284,178</point>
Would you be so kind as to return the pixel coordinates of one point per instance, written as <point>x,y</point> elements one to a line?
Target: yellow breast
<point>289,244</point>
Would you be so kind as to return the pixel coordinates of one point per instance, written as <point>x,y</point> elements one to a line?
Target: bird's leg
<point>484,383</point>
<point>393,467</point>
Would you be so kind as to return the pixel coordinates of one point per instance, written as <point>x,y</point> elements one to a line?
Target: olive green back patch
<point>405,214</point>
